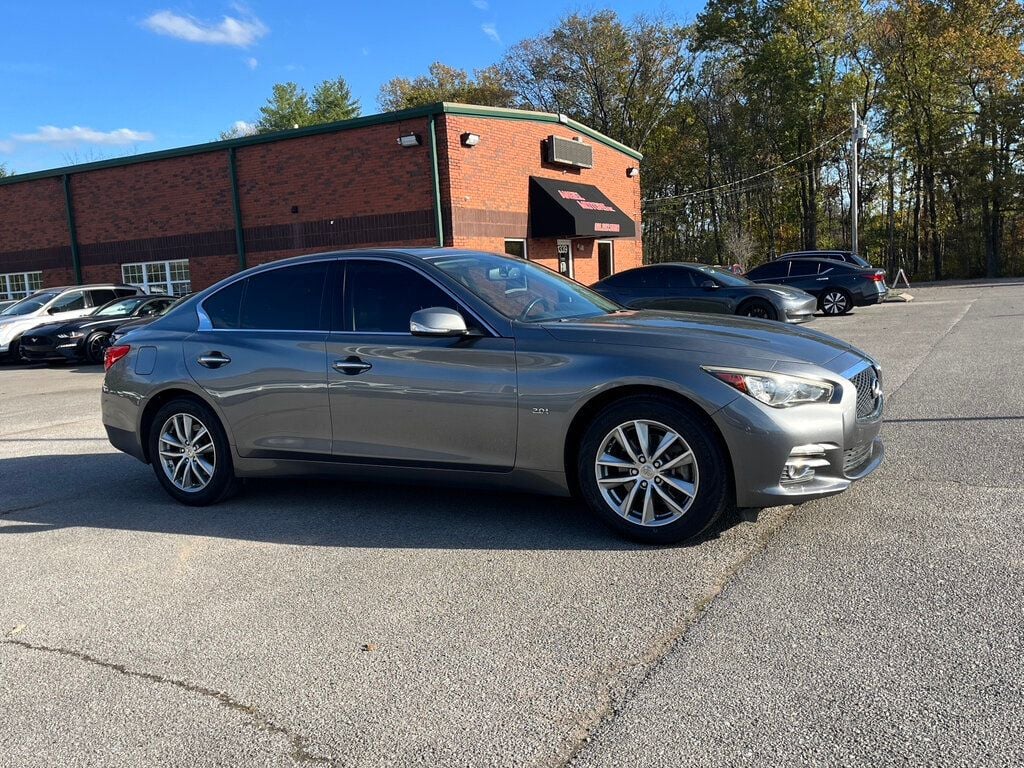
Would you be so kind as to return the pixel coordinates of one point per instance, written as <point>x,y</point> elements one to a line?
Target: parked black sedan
<point>86,338</point>
<point>687,287</point>
<point>838,286</point>
<point>133,323</point>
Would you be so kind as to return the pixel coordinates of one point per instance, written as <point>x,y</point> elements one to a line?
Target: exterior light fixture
<point>470,139</point>
<point>410,140</point>
<point>632,171</point>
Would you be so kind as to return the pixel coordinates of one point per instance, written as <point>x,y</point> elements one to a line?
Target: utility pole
<point>859,130</point>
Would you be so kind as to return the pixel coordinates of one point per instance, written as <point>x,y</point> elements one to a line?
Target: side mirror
<point>709,285</point>
<point>437,321</point>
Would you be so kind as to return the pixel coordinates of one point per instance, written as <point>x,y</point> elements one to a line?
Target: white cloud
<point>242,128</point>
<point>481,5</point>
<point>252,62</point>
<point>492,32</point>
<point>76,134</point>
<point>6,147</point>
<point>241,32</point>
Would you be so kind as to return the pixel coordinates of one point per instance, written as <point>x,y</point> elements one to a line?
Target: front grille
<point>867,404</point>
<point>39,341</point>
<point>855,457</point>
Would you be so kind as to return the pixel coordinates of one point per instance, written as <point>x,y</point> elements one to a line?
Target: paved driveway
<point>317,623</point>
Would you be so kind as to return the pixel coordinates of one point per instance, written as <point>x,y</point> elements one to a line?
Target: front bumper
<point>63,350</point>
<point>766,443</point>
<point>801,312</point>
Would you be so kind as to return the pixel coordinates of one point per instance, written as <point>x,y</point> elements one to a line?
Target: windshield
<point>118,307</point>
<point>31,304</point>
<point>523,291</point>
<point>726,276</point>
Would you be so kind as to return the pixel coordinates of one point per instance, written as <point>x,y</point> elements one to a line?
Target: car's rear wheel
<point>652,471</point>
<point>190,453</point>
<point>758,308</point>
<point>835,301</point>
<point>95,346</point>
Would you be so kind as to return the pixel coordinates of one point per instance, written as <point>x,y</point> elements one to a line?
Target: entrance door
<point>565,258</point>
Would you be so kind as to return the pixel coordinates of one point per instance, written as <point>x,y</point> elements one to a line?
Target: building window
<point>170,277</point>
<point>516,248</point>
<point>18,285</point>
<point>605,259</point>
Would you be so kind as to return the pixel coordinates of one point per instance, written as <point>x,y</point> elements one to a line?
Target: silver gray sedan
<point>457,366</point>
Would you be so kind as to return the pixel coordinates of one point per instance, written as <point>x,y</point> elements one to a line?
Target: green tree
<point>4,172</point>
<point>443,83</point>
<point>289,106</point>
<point>332,101</point>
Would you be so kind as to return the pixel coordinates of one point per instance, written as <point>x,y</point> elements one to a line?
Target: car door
<point>260,355</point>
<point>400,399</point>
<point>803,274</point>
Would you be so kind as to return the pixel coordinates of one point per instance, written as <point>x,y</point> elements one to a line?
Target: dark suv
<point>838,286</point>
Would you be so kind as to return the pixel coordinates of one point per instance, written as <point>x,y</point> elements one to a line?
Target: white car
<point>50,304</point>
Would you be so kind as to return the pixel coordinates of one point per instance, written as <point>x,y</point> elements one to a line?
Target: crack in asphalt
<point>299,751</point>
<point>928,352</point>
<point>609,701</point>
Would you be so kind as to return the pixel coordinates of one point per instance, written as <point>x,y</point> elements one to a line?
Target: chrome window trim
<point>206,325</point>
<point>856,368</point>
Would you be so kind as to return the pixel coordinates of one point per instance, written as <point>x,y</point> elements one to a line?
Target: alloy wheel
<point>834,303</point>
<point>187,453</point>
<point>647,473</point>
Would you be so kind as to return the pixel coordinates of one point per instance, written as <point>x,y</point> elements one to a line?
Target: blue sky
<point>83,81</point>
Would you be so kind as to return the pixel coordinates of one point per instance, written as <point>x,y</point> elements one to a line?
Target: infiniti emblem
<point>876,388</point>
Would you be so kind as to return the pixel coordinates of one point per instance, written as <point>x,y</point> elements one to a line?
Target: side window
<point>222,308</point>
<point>770,271</point>
<point>803,268</point>
<point>380,297</point>
<point>677,278</point>
<point>286,299</point>
<point>69,303</point>
<point>625,281</point>
<point>101,296</point>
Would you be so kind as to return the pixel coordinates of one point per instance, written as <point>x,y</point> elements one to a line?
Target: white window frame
<point>526,251</point>
<point>167,284</point>
<point>18,285</point>
<point>611,247</point>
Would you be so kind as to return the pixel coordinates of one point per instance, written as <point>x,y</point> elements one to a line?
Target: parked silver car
<point>460,366</point>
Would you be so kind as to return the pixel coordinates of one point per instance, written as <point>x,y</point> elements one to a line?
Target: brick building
<point>445,174</point>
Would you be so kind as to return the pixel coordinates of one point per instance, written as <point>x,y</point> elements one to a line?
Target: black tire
<point>14,352</point>
<point>713,492</point>
<point>223,482</point>
<point>758,308</point>
<point>835,301</point>
<point>95,347</point>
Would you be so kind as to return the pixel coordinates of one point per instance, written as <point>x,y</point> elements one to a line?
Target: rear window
<point>770,270</point>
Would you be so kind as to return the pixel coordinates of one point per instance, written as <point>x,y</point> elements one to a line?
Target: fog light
<point>799,468</point>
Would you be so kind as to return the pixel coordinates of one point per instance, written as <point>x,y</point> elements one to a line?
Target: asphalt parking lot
<point>325,623</point>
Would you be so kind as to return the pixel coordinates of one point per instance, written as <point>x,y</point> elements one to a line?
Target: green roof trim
<point>440,108</point>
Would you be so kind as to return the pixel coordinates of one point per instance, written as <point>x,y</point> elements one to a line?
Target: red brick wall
<point>489,189</point>
<point>34,230</point>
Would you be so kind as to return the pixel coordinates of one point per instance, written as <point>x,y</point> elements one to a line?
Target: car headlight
<point>775,389</point>
<point>71,335</point>
<point>778,292</point>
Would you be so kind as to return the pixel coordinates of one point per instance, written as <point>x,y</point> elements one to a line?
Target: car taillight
<point>878,277</point>
<point>113,354</point>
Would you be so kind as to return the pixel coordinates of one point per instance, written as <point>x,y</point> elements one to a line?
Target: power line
<point>686,195</point>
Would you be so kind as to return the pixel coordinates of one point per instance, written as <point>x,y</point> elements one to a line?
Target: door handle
<point>351,366</point>
<point>822,278</point>
<point>213,360</point>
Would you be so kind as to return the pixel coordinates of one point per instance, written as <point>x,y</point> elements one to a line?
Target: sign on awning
<point>566,209</point>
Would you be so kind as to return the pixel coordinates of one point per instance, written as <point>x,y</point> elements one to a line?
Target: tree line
<point>744,118</point>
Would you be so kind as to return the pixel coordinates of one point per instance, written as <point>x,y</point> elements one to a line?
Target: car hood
<point>720,336</point>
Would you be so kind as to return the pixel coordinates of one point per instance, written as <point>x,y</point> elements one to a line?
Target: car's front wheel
<point>835,301</point>
<point>190,453</point>
<point>652,471</point>
<point>758,308</point>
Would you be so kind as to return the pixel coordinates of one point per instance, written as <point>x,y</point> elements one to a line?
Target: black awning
<point>565,209</point>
